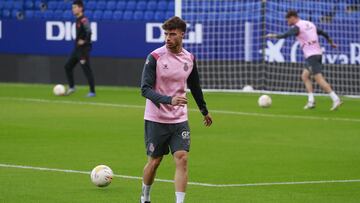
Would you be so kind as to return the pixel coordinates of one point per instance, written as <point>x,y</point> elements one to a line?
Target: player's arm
<point>148,82</point>
<point>87,32</point>
<point>326,36</point>
<point>291,32</point>
<point>193,83</point>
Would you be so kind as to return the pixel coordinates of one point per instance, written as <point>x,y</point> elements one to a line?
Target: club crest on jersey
<point>186,67</point>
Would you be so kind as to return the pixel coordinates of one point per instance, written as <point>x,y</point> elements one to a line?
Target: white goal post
<point>233,52</point>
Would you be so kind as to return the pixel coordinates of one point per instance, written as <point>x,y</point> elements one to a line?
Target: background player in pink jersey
<point>168,71</point>
<point>307,35</point>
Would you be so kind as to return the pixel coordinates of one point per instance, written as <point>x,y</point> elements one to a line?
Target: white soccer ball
<point>248,88</point>
<point>101,175</point>
<point>264,101</point>
<point>59,90</point>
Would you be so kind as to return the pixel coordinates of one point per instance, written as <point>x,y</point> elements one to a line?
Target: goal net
<point>227,38</point>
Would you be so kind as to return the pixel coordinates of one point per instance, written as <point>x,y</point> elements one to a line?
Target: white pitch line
<point>190,183</point>
<point>194,110</point>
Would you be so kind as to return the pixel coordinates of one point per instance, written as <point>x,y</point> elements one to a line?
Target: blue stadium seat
<point>128,15</point>
<point>61,5</point>
<point>151,5</point>
<point>29,4</point>
<point>89,14</point>
<point>131,5</point>
<point>138,15</point>
<point>169,14</point>
<point>67,15</point>
<point>29,14</point>
<point>91,5</point>
<point>58,14</point>
<point>19,5</point>
<point>38,14</point>
<point>49,14</point>
<point>171,6</point>
<point>97,15</point>
<point>52,5</point>
<point>121,5</point>
<point>149,15</point>
<point>38,4</point>
<point>117,15</point>
<point>14,14</point>
<point>162,6</point>
<point>2,3</point>
<point>100,5</point>
<point>159,16</point>
<point>141,5</point>
<point>111,5</point>
<point>8,5</point>
<point>68,5</point>
<point>6,13</point>
<point>107,15</point>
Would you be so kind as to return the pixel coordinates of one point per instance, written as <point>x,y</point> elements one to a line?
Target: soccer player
<point>307,34</point>
<point>168,71</point>
<point>81,51</point>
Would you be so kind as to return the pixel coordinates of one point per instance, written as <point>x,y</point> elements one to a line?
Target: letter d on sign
<point>50,27</point>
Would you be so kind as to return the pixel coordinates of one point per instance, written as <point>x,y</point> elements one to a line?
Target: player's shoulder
<point>84,20</point>
<point>157,53</point>
<point>305,22</point>
<point>189,54</point>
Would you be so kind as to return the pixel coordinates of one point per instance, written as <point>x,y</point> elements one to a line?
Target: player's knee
<point>319,78</point>
<point>181,159</point>
<point>155,163</point>
<point>304,77</point>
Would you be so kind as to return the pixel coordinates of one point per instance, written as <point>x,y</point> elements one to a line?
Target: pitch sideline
<point>190,183</point>
<point>213,111</point>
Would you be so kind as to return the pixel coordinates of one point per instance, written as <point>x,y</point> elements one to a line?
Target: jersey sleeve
<point>87,29</point>
<point>291,32</point>
<point>148,80</point>
<point>193,83</point>
<point>324,34</point>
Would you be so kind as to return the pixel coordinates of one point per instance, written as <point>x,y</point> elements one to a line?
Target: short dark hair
<point>79,3</point>
<point>291,13</point>
<point>174,23</point>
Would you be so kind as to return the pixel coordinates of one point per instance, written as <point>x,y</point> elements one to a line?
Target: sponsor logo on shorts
<point>185,135</point>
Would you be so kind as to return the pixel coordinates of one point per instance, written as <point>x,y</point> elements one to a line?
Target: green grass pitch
<point>246,144</point>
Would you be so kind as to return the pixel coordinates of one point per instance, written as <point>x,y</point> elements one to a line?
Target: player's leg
<point>180,146</point>
<point>306,78</point>
<point>319,78</point>
<point>85,64</point>
<point>181,175</point>
<point>315,62</point>
<point>156,142</point>
<point>69,70</point>
<point>149,176</point>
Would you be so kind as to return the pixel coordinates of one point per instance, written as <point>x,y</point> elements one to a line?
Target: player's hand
<point>271,35</point>
<point>207,120</point>
<point>81,42</point>
<point>333,45</point>
<point>178,101</point>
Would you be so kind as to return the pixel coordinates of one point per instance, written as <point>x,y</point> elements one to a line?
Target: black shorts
<point>159,137</point>
<point>313,64</point>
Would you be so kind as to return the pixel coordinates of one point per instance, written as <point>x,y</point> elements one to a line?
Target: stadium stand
<point>158,10</point>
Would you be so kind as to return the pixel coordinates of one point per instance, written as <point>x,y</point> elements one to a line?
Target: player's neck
<point>176,50</point>
<point>79,15</point>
